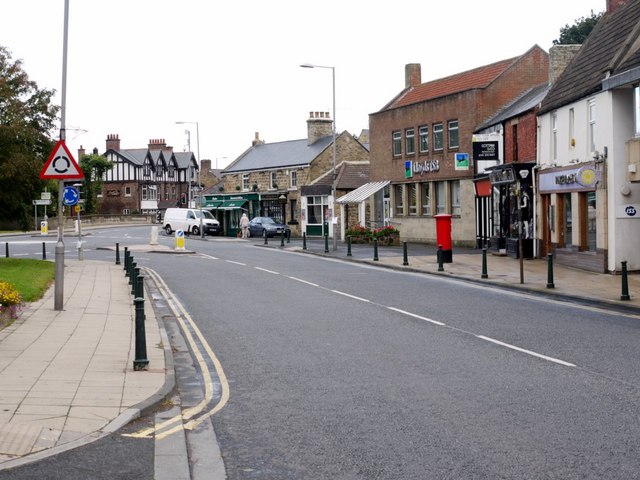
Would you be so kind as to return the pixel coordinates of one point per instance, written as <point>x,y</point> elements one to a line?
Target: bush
<point>358,231</point>
<point>10,301</point>
<point>385,231</point>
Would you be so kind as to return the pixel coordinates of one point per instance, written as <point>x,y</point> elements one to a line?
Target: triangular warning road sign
<point>61,165</point>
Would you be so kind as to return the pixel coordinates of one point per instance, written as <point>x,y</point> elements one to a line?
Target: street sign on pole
<point>61,165</point>
<point>42,202</point>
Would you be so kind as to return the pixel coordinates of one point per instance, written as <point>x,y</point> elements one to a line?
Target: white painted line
<point>304,281</point>
<point>236,263</point>
<point>528,352</point>
<point>265,270</point>
<point>209,256</point>
<point>351,296</point>
<point>404,312</point>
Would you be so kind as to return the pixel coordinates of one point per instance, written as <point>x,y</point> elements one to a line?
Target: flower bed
<point>10,303</point>
<point>385,235</point>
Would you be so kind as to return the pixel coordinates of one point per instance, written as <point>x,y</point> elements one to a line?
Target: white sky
<point>135,67</point>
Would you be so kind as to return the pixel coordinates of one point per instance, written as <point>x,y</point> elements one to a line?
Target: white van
<point>188,220</point>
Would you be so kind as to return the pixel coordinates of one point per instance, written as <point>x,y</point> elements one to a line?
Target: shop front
<point>228,209</point>
<point>570,213</point>
<point>512,226</point>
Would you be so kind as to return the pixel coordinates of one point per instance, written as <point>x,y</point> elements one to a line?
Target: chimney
<point>158,144</point>
<point>256,140</point>
<point>412,75</point>
<point>80,153</point>
<point>319,125</point>
<point>113,141</point>
<point>205,165</point>
<point>559,57</point>
<point>613,5</point>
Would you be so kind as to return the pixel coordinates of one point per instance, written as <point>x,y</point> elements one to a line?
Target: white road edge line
<point>236,263</point>
<point>304,281</point>
<point>404,312</point>
<point>351,296</point>
<point>265,270</point>
<point>528,352</point>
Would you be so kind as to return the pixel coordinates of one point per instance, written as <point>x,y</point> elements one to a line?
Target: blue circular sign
<point>71,196</point>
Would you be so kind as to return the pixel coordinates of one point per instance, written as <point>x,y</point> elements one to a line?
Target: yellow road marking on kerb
<point>181,315</point>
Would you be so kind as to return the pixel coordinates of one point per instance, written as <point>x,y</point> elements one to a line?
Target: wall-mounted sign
<point>568,180</point>
<point>426,166</point>
<point>461,161</point>
<point>486,147</point>
<point>628,211</point>
<point>502,176</point>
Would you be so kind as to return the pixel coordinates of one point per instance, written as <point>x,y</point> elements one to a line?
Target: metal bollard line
<point>282,239</point>
<point>141,362</point>
<point>349,246</point>
<point>550,283</point>
<point>6,249</point>
<point>266,238</point>
<point>405,256</point>
<point>625,282</point>
<point>375,249</point>
<point>117,254</point>
<point>304,240</point>
<point>44,251</point>
<point>484,264</point>
<point>440,255</point>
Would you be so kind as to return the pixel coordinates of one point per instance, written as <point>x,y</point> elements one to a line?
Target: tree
<point>578,33</point>
<point>94,167</point>
<point>26,122</point>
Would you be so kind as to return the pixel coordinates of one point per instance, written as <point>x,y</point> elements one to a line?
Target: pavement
<point>67,377</point>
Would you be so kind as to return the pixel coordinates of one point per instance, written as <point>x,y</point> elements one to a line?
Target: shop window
<point>316,209</point>
<point>412,198</point>
<point>399,199</point>
<point>455,197</point>
<point>425,197</point>
<point>441,198</point>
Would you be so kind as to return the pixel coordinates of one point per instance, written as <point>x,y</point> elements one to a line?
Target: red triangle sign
<point>61,165</point>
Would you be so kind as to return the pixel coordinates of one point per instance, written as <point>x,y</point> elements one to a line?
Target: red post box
<point>443,236</point>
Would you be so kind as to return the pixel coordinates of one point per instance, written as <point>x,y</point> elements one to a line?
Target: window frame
<point>396,143</point>
<point>398,199</point>
<point>293,179</point>
<point>425,198</point>
<point>412,199</point>
<point>454,193</point>
<point>410,141</point>
<point>592,118</point>
<point>245,181</point>
<point>438,137</point>
<point>441,197</point>
<point>453,134</point>
<point>423,138</point>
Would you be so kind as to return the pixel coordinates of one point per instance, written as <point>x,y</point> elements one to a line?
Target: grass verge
<point>30,277</point>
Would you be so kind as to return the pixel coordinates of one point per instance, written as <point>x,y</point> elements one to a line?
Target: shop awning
<point>213,205</point>
<point>363,192</point>
<point>231,205</point>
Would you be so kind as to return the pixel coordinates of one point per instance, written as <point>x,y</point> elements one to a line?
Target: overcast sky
<point>135,67</point>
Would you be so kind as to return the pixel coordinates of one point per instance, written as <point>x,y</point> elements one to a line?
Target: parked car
<point>188,220</point>
<point>261,226</point>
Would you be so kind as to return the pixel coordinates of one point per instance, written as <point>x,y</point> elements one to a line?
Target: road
<point>345,371</point>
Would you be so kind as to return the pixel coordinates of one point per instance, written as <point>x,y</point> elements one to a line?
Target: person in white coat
<point>244,225</point>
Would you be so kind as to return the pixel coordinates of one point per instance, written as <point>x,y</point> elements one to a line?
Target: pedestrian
<point>244,225</point>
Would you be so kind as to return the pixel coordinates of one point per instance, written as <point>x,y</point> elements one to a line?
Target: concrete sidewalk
<point>67,377</point>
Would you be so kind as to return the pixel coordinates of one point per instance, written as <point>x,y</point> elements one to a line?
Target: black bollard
<point>550,283</point>
<point>440,256</point>
<point>132,269</point>
<point>6,249</point>
<point>484,264</point>
<point>375,249</point>
<point>282,239</point>
<point>349,246</point>
<point>126,256</point>
<point>304,240</point>
<point>44,251</point>
<point>405,256</point>
<point>134,282</point>
<point>266,238</point>
<point>140,362</point>
<point>326,242</point>
<point>625,282</point>
<point>288,236</point>
<point>117,254</point>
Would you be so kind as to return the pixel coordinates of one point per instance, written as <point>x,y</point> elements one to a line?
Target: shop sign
<point>486,147</point>
<point>461,161</point>
<point>426,166</point>
<point>583,178</point>
<point>628,211</point>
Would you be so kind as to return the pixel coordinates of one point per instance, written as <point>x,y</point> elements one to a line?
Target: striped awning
<point>360,194</point>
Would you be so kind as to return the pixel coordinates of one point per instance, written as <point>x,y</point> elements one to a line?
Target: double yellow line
<point>191,417</point>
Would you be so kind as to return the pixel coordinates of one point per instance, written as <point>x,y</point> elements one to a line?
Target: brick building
<point>421,142</point>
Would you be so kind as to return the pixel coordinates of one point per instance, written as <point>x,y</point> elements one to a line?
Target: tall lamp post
<point>199,168</point>
<point>334,175</point>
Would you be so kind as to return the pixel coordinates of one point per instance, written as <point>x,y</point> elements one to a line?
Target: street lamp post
<point>334,174</point>
<point>199,168</point>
